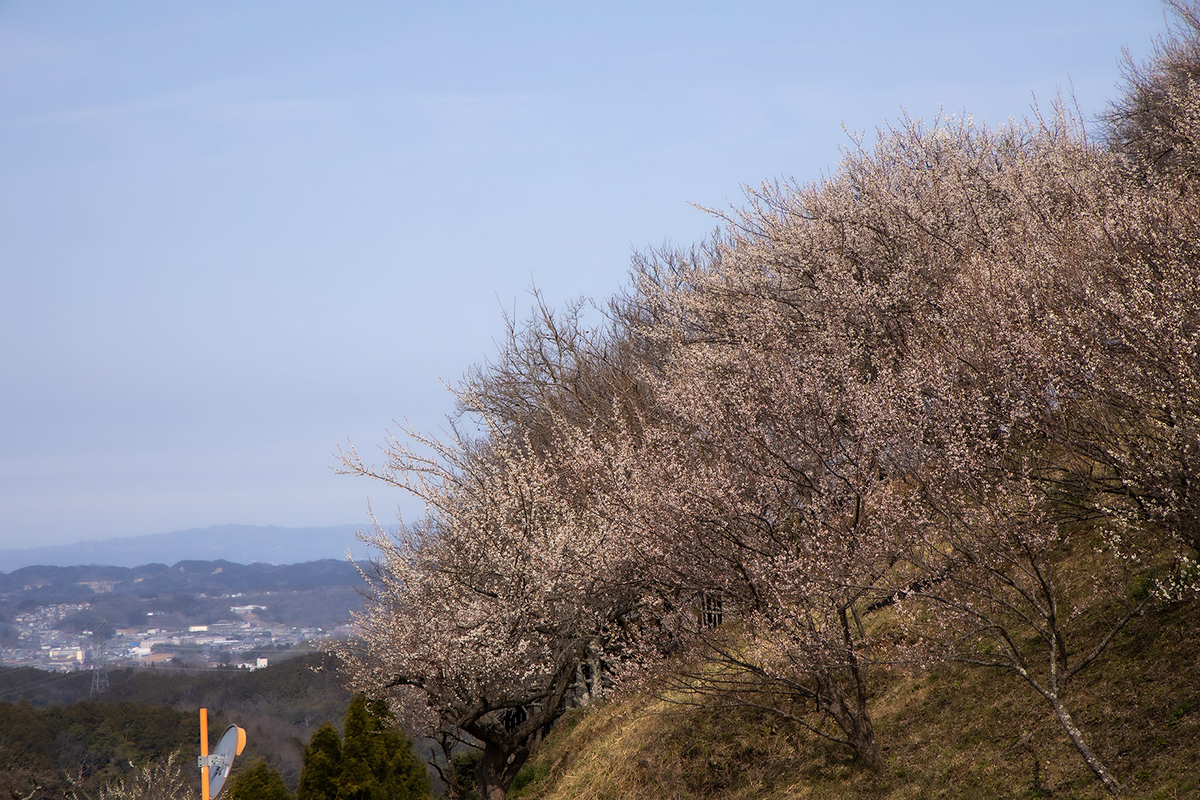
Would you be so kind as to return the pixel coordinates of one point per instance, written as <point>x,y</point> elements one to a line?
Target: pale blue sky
<point>236,233</point>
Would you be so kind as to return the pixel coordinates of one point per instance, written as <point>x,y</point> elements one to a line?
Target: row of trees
<point>944,404</point>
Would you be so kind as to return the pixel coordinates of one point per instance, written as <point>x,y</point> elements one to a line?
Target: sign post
<point>204,754</point>
<point>215,768</point>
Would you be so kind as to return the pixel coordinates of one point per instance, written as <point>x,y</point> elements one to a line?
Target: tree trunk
<point>1091,758</point>
<point>860,733</point>
<point>497,769</point>
<point>853,718</point>
<point>489,776</point>
<point>865,744</point>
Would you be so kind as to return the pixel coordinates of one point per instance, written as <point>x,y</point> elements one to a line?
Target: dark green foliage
<point>464,771</point>
<point>322,765</point>
<point>378,762</point>
<point>299,687</point>
<point>89,741</point>
<point>530,773</point>
<point>41,688</point>
<point>375,762</point>
<point>260,782</point>
<point>146,713</point>
<point>26,737</point>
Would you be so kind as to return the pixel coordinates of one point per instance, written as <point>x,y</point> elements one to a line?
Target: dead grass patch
<point>949,732</point>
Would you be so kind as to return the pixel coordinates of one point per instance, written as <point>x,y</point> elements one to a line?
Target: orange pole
<point>204,753</point>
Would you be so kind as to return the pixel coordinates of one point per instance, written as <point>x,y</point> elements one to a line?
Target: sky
<point>234,235</point>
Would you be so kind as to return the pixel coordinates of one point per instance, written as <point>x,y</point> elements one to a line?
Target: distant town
<point>243,641</point>
<point>198,615</point>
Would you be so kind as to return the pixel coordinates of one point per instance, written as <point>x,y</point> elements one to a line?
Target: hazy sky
<point>233,234</point>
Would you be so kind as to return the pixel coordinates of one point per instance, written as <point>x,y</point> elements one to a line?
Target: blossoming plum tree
<point>956,384</point>
<point>479,618</point>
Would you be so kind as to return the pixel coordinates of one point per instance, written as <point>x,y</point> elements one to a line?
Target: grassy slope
<point>949,732</point>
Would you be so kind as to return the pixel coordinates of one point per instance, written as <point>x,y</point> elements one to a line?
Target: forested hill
<point>51,584</point>
<point>46,609</point>
<point>52,730</point>
<point>276,688</point>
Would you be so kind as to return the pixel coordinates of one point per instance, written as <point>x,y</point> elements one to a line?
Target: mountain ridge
<point>243,544</point>
<point>41,581</point>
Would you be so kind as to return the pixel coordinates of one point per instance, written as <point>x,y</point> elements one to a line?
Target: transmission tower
<point>99,667</point>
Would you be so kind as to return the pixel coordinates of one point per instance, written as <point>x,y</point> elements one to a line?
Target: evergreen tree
<point>378,762</point>
<point>401,774</point>
<point>374,762</point>
<point>322,765</point>
<point>358,753</point>
<point>260,782</point>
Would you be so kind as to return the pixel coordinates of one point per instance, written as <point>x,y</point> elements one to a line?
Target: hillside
<point>51,730</point>
<point>937,412</point>
<point>41,585</point>
<point>949,732</point>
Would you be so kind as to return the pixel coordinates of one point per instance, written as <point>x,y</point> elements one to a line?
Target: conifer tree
<point>357,780</point>
<point>261,782</point>
<point>378,762</point>
<point>401,773</point>
<point>374,762</point>
<point>322,765</point>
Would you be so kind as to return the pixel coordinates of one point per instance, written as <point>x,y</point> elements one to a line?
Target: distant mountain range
<point>244,544</point>
<point>43,584</point>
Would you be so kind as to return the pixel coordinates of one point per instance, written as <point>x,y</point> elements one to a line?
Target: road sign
<point>215,768</point>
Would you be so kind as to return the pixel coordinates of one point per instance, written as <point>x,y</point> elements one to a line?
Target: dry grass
<point>950,732</point>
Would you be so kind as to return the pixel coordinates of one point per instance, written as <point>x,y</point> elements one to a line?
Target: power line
<point>35,684</point>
